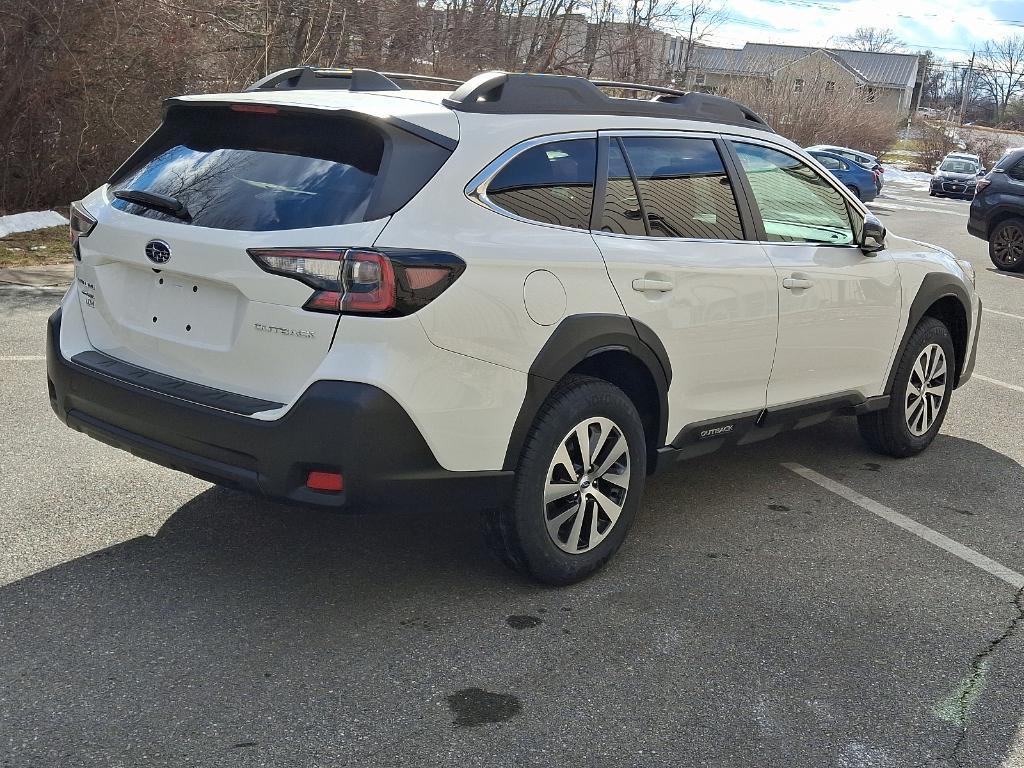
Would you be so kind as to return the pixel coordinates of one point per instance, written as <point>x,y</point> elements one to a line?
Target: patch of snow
<point>914,179</point>
<point>26,222</point>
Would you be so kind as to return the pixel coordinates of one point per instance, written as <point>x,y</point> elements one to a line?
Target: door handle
<point>792,283</point>
<point>644,284</point>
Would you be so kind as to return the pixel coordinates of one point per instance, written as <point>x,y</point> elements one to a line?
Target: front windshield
<point>958,166</point>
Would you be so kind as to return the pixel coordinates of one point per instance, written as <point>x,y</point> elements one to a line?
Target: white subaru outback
<point>522,295</point>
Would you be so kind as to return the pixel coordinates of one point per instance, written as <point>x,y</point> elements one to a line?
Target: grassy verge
<point>31,249</point>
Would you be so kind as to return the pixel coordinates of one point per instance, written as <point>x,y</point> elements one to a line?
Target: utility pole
<point>967,84</point>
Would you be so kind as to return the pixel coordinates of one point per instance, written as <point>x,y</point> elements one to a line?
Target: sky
<point>951,28</point>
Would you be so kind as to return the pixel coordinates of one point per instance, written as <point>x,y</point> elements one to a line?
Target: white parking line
<point>988,311</point>
<point>889,206</point>
<point>962,551</point>
<point>17,358</point>
<point>999,383</point>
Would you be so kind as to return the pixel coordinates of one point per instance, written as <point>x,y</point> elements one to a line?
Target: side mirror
<point>872,237</point>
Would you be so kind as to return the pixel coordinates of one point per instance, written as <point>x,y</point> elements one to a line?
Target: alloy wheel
<point>926,389</point>
<point>1008,247</point>
<point>586,485</point>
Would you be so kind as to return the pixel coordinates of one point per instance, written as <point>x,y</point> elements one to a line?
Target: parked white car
<point>522,295</point>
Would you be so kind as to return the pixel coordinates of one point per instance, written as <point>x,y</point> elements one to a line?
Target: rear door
<point>178,293</point>
<point>674,243</point>
<point>839,308</point>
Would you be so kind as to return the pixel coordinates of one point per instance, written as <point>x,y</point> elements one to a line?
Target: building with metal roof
<point>887,81</point>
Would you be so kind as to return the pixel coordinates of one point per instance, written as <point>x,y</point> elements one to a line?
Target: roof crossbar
<point>316,78</point>
<point>422,78</point>
<point>638,87</point>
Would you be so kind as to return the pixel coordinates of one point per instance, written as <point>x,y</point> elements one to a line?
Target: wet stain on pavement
<point>778,508</point>
<point>523,622</point>
<point>475,706</point>
<point>958,510</point>
<point>872,466</point>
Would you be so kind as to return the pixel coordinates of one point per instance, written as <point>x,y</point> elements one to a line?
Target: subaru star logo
<point>158,251</point>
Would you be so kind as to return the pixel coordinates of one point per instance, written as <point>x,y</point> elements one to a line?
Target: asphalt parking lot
<point>799,603</point>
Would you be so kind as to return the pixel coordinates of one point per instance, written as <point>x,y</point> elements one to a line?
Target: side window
<point>1016,171</point>
<point>796,204</point>
<point>830,163</point>
<point>550,183</point>
<point>621,212</point>
<point>684,188</point>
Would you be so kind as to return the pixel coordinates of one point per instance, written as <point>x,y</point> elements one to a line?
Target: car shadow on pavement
<point>244,622</point>
<point>1004,273</point>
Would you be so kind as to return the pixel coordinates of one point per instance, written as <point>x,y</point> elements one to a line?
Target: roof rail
<point>500,93</point>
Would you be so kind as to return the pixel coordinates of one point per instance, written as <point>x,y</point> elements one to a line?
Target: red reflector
<point>325,481</point>
<point>259,109</point>
<point>424,277</point>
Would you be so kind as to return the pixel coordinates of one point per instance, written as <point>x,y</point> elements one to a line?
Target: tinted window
<point>796,204</point>
<point>1016,172</point>
<point>551,183</point>
<point>621,205</point>
<point>257,172</point>
<point>684,188</point>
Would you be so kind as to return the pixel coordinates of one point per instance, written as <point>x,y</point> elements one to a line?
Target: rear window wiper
<point>164,203</point>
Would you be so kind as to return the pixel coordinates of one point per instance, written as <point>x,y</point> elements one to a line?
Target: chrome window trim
<point>476,190</point>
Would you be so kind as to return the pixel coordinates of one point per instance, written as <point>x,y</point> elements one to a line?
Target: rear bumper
<point>348,427</point>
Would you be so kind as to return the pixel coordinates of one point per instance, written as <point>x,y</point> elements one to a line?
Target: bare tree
<point>999,71</point>
<point>697,20</point>
<point>873,39</point>
<point>808,106</point>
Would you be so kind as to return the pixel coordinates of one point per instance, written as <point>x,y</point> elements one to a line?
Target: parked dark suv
<point>997,213</point>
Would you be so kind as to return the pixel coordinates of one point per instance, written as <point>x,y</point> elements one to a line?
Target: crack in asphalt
<point>978,673</point>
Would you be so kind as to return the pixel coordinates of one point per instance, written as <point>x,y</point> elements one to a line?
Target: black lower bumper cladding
<point>337,426</point>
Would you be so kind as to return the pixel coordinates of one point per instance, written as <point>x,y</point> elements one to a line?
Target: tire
<point>855,190</point>
<point>518,531</point>
<point>1006,245</point>
<point>907,426</point>
<point>931,194</point>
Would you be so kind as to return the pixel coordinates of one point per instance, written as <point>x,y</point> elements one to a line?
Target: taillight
<point>81,223</point>
<point>362,281</point>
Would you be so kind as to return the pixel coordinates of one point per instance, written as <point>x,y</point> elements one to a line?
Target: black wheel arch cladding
<point>574,340</point>
<point>935,287</point>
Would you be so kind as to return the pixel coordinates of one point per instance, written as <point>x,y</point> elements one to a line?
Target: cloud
<point>952,29</point>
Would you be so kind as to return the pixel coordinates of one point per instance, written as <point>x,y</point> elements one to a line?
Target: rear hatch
<point>174,289</point>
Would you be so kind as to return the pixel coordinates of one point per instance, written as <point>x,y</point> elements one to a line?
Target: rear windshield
<point>256,172</point>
